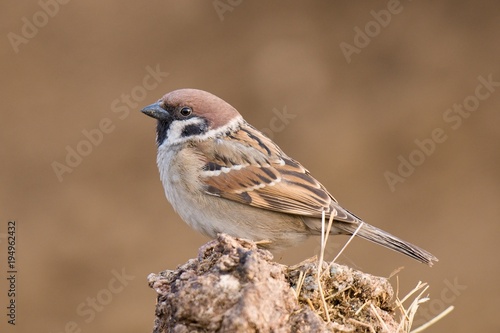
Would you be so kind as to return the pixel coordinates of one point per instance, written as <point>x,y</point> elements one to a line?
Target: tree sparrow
<point>222,175</point>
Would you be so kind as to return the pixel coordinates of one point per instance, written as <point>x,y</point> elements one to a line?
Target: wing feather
<point>247,167</point>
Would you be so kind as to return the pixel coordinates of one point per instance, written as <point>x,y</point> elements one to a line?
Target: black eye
<point>186,111</point>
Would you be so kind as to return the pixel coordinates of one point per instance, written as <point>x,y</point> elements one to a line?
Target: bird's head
<point>191,114</point>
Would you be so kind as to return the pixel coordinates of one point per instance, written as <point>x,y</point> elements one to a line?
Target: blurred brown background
<point>87,64</point>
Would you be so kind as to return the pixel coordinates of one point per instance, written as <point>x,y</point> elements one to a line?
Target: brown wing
<point>249,168</point>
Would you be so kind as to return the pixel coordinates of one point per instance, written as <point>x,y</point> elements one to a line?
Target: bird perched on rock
<point>222,175</point>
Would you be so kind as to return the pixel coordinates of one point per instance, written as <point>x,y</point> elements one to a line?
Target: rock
<point>234,286</point>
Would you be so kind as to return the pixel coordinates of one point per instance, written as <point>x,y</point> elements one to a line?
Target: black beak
<point>156,111</point>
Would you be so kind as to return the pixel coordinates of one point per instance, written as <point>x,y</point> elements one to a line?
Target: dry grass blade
<point>433,320</point>
<point>300,282</point>
<point>360,323</point>
<point>324,238</point>
<point>347,243</point>
<point>419,286</point>
<point>382,323</point>
<point>338,293</point>
<point>321,304</point>
<point>361,308</point>
<point>409,314</point>
<point>310,304</point>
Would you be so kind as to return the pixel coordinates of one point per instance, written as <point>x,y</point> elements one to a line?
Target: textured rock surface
<point>233,286</point>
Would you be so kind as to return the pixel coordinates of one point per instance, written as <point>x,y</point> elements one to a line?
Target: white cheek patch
<point>174,133</point>
<point>230,126</point>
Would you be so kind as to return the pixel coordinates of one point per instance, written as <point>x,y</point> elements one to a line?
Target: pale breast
<point>210,215</point>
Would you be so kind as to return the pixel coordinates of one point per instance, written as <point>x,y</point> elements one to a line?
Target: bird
<point>222,175</point>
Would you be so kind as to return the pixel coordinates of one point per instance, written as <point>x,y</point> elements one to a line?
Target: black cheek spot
<point>193,129</point>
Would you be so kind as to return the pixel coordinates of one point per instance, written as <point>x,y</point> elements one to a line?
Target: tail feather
<point>387,240</point>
